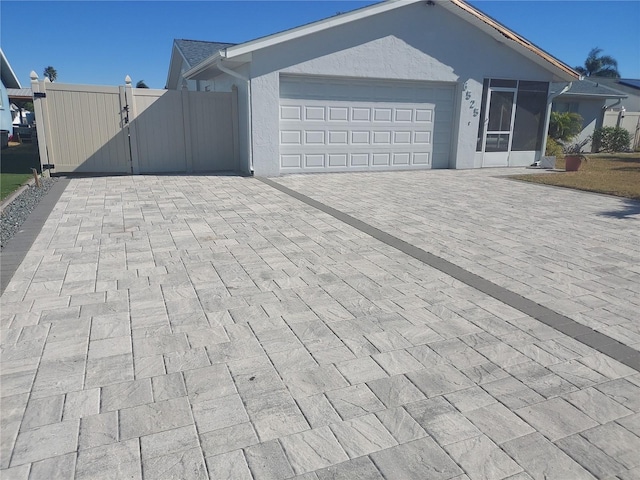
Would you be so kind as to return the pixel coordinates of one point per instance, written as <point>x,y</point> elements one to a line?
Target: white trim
<point>7,66</point>
<point>209,62</point>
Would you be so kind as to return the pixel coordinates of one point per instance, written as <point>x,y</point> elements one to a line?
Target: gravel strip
<point>15,214</point>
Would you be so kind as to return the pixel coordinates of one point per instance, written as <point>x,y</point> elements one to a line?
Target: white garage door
<point>337,125</point>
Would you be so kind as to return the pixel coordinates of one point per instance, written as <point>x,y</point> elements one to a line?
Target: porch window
<point>531,107</point>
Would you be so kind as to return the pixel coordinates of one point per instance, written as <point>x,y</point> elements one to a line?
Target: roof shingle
<point>195,51</point>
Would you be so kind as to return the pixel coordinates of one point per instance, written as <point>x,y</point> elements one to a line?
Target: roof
<point>630,82</point>
<point>19,93</point>
<point>9,78</point>
<point>195,51</point>
<point>457,7</point>
<point>588,88</point>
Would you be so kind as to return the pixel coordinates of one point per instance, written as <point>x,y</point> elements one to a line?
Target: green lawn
<point>16,163</point>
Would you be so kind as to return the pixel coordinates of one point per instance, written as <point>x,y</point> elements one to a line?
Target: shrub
<point>563,126</point>
<point>554,149</point>
<point>611,139</point>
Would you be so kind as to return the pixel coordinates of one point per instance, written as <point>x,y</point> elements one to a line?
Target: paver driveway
<point>214,327</point>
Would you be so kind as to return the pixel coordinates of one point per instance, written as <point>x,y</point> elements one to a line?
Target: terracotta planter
<point>572,163</point>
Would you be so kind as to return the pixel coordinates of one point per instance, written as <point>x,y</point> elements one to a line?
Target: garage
<point>336,124</point>
<point>397,85</point>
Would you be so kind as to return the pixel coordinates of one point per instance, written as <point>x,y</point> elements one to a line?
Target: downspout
<point>600,121</point>
<point>235,74</point>
<point>548,115</point>
<point>607,107</point>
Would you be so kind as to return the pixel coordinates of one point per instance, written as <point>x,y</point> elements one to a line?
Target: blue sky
<point>101,42</point>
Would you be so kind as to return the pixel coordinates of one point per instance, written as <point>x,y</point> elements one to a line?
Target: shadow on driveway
<point>630,209</point>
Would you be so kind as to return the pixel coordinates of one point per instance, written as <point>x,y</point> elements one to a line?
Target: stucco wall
<point>5,111</point>
<point>415,42</point>
<point>591,113</point>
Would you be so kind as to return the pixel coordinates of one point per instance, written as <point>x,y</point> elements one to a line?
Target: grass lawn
<point>16,163</point>
<point>615,174</point>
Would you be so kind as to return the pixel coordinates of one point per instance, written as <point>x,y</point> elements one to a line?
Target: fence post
<point>186,124</point>
<point>234,126</point>
<point>133,131</point>
<point>42,117</point>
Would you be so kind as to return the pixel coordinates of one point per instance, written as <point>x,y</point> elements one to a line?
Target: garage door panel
<point>314,161</point>
<point>337,160</point>
<point>290,137</point>
<point>359,160</point>
<point>314,114</point>
<point>359,114</point>
<point>401,158</point>
<point>340,125</point>
<point>290,112</point>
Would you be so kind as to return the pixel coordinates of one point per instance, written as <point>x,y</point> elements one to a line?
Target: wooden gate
<point>95,129</point>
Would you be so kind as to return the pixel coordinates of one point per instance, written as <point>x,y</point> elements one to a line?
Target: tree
<point>141,84</point>
<point>564,126</point>
<point>597,65</point>
<point>51,73</point>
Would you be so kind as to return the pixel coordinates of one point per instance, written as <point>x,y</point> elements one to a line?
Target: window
<point>531,108</point>
<point>562,107</point>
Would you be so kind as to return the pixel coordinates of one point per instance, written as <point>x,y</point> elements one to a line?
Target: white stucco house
<point>401,84</point>
<point>9,80</point>
<point>590,99</point>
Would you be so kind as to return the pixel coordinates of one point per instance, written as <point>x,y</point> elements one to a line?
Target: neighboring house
<point>399,85</point>
<point>630,86</point>
<point>9,80</point>
<point>590,99</point>
<point>185,55</point>
<point>18,97</point>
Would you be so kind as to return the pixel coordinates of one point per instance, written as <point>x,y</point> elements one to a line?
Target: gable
<point>418,42</point>
<point>473,18</point>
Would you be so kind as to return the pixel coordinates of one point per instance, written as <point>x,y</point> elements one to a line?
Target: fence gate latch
<point>39,95</point>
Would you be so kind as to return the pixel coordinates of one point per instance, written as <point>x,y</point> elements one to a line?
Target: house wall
<point>632,102</point>
<point>5,111</point>
<point>416,42</point>
<point>590,110</point>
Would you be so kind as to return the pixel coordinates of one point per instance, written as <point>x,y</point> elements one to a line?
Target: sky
<point>100,42</point>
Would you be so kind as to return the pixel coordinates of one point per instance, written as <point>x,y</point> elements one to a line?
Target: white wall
<point>5,111</point>
<point>416,42</point>
<point>591,113</point>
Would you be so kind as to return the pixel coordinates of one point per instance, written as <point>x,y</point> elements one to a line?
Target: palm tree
<point>597,65</point>
<point>141,84</point>
<point>51,73</point>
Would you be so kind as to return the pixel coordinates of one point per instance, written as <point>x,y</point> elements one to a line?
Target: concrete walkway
<point>215,327</point>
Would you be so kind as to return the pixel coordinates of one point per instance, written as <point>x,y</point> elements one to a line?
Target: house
<point>187,54</point>
<point>590,99</point>
<point>629,86</point>
<point>9,80</point>
<point>398,85</point>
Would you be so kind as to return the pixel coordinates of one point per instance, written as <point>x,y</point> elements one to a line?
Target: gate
<point>95,129</point>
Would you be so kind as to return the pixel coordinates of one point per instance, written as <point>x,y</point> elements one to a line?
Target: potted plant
<point>573,156</point>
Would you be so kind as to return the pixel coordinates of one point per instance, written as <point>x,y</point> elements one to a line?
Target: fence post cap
<point>33,75</point>
<point>127,80</point>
